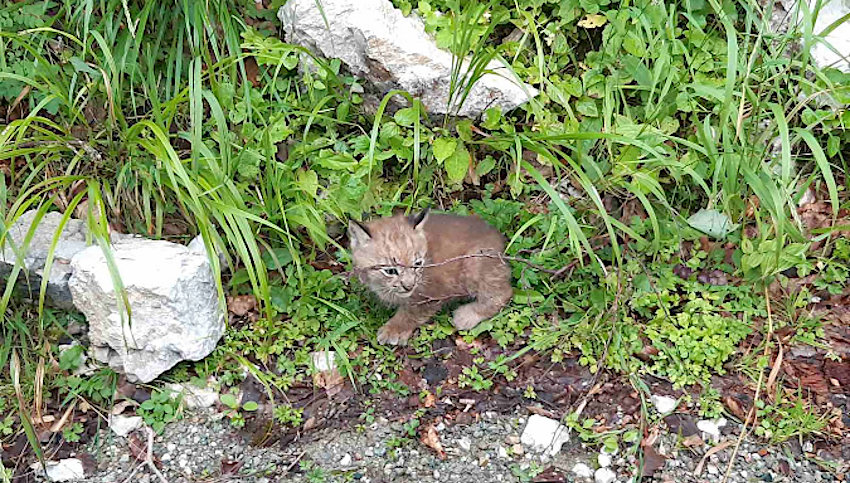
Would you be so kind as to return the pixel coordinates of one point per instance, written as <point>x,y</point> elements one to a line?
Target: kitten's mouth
<point>404,295</point>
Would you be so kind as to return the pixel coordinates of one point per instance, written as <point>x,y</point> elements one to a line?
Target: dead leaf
<point>652,460</point>
<point>252,70</point>
<point>713,277</point>
<point>774,372</point>
<point>431,439</point>
<point>66,416</point>
<point>331,381</point>
<point>716,449</point>
<point>430,400</point>
<point>734,407</point>
<point>692,441</point>
<point>592,21</point>
<point>230,467</point>
<point>137,447</point>
<point>241,304</point>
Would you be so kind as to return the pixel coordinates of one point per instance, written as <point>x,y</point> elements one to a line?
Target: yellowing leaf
<point>592,21</point>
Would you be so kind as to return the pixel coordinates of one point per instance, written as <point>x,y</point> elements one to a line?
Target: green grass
<point>191,122</point>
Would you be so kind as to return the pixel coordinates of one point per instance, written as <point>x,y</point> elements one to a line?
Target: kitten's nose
<point>406,288</point>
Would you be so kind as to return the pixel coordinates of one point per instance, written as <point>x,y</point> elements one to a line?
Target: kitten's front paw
<point>394,334</point>
<point>466,317</point>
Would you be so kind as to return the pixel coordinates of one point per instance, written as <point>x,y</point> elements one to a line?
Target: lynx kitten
<point>400,259</point>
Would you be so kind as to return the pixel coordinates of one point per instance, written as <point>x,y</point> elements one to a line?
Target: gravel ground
<point>204,447</point>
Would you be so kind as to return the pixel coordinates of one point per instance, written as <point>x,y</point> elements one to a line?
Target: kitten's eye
<point>390,271</point>
<point>417,263</point>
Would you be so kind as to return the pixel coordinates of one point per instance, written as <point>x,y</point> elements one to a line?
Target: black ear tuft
<point>416,221</point>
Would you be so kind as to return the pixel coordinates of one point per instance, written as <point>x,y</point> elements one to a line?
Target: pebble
<point>604,475</point>
<point>710,428</point>
<point>664,404</point>
<point>464,443</point>
<point>604,460</point>
<point>581,470</point>
<point>492,456</point>
<point>544,434</point>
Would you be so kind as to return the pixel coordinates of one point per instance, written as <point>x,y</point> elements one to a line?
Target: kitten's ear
<point>358,234</point>
<point>418,221</point>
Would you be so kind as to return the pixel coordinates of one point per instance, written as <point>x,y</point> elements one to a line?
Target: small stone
<point>517,449</point>
<point>808,447</point>
<point>604,460</point>
<point>664,404</point>
<point>124,425</point>
<point>605,475</point>
<point>193,397</point>
<point>437,475</point>
<point>464,443</point>
<point>513,439</point>
<point>68,469</point>
<point>712,469</point>
<point>544,434</point>
<point>581,470</point>
<point>502,452</point>
<point>710,428</point>
<point>345,461</point>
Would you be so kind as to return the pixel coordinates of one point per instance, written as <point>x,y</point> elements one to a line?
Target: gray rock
<point>197,246</point>
<point>173,300</point>
<point>71,240</point>
<point>377,42</point>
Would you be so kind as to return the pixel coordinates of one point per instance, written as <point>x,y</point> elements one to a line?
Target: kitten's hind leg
<point>401,326</point>
<point>488,302</point>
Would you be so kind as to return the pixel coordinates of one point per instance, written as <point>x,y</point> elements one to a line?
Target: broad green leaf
<point>712,222</point>
<point>229,400</point>
<point>308,181</point>
<point>492,116</point>
<point>485,166</point>
<point>444,147</point>
<point>457,164</point>
<point>406,116</point>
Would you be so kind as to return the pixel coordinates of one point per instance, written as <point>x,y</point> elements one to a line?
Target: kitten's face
<point>389,255</point>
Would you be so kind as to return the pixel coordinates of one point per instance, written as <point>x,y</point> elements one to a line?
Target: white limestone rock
<point>542,434</point>
<point>664,404</point>
<point>175,309</point>
<point>68,469</point>
<point>377,42</point>
<point>71,241</point>
<point>829,51</point>
<point>193,397</point>
<point>124,425</point>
